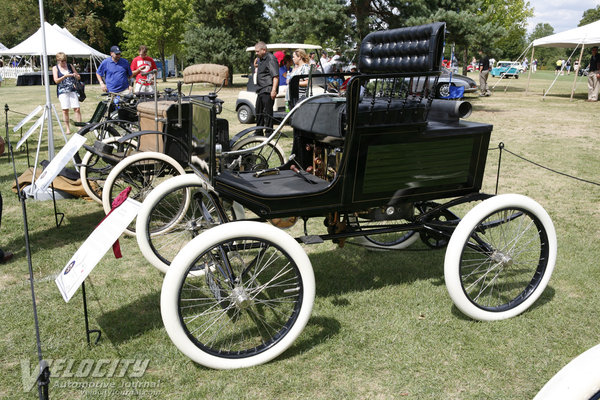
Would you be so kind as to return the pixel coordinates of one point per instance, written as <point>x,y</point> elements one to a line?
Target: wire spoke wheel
<point>500,257</point>
<point>237,295</point>
<point>173,214</point>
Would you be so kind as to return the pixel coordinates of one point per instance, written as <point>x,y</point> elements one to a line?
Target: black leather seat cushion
<point>286,184</point>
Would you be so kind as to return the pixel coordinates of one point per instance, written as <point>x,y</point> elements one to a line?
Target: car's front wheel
<point>245,115</point>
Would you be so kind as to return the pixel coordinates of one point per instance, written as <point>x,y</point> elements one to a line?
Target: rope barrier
<point>501,148</point>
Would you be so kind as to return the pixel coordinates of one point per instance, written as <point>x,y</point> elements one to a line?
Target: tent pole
<point>529,74</point>
<point>575,77</point>
<point>46,83</point>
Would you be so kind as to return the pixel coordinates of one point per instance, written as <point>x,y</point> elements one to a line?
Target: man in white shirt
<point>328,63</point>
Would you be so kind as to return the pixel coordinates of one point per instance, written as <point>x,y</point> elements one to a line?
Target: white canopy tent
<point>584,36</point>
<point>57,39</point>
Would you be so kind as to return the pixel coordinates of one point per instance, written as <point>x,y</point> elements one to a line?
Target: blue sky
<point>561,14</point>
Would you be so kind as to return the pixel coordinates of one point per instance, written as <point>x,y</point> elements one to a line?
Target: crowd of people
<point>274,72</point>
<point>114,75</point>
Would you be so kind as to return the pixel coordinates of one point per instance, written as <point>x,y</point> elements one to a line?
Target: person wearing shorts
<point>64,76</point>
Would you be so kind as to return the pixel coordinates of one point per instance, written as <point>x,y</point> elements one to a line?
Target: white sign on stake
<point>27,118</point>
<point>58,162</point>
<point>31,130</point>
<point>94,248</point>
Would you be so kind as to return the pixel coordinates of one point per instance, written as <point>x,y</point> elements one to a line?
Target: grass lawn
<point>383,325</point>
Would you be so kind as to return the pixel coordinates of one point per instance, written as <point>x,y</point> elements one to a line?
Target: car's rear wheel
<point>443,90</point>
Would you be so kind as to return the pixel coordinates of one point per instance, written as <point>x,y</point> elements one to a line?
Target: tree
<point>159,24</point>
<point>221,30</point>
<point>545,55</point>
<point>468,24</point>
<point>92,21</point>
<point>512,16</point>
<point>17,20</point>
<point>371,15</point>
<point>323,22</point>
<point>590,15</point>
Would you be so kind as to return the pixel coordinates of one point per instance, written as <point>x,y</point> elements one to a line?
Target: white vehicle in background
<point>245,104</point>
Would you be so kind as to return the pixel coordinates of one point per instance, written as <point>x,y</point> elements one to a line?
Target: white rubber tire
<point>578,380</point>
<point>463,232</point>
<point>126,162</point>
<point>150,202</point>
<point>169,299</point>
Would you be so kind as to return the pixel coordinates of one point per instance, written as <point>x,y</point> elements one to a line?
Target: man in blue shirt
<point>115,71</point>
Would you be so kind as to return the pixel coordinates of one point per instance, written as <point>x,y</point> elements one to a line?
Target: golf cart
<point>245,104</point>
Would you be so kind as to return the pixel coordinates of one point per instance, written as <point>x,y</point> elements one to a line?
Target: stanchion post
<point>500,147</point>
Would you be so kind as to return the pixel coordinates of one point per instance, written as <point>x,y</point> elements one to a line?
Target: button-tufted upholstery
<point>415,49</point>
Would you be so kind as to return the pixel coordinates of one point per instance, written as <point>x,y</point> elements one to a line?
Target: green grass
<point>383,325</point>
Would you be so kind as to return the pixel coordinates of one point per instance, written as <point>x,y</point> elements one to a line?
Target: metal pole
<point>46,83</point>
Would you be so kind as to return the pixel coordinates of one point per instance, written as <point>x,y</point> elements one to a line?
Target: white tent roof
<point>3,47</point>
<point>586,35</point>
<point>56,41</point>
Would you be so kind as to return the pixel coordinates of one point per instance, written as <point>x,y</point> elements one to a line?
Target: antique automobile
<point>507,69</point>
<point>384,165</point>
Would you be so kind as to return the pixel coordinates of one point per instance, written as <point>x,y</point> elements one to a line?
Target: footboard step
<point>311,239</point>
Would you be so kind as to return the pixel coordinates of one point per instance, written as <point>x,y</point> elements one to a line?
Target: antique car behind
<point>507,69</point>
<point>447,79</point>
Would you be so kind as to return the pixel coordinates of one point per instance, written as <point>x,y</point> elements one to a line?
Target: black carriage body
<point>392,151</point>
<point>187,125</point>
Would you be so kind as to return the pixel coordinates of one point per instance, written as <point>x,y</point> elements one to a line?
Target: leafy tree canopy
<point>323,22</point>
<point>16,20</point>
<point>220,31</point>
<point>158,24</point>
<point>90,20</point>
<point>546,56</point>
<point>590,15</point>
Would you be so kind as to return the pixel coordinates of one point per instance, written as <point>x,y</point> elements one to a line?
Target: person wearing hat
<point>114,73</point>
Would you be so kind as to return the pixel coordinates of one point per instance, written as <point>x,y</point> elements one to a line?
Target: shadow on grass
<point>546,297</point>
<point>503,87</point>
<point>132,319</point>
<point>354,268</point>
<point>566,96</point>
<point>317,331</point>
<point>73,229</point>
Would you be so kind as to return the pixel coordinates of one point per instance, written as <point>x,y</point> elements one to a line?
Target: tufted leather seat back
<point>414,49</point>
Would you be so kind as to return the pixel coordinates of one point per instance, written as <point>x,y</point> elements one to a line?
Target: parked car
<point>448,79</point>
<point>245,104</point>
<point>507,69</point>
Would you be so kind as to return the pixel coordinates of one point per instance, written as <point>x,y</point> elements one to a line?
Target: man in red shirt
<point>143,68</point>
